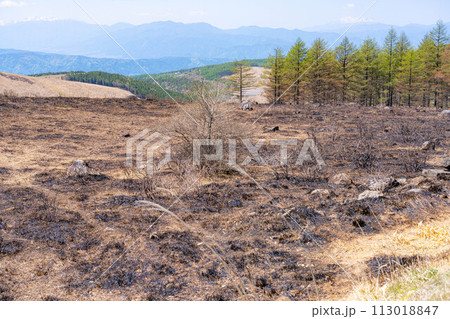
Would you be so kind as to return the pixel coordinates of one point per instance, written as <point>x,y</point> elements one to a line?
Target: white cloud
<point>351,5</point>
<point>351,20</point>
<point>11,4</point>
<point>38,19</point>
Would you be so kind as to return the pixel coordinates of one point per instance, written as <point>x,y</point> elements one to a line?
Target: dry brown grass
<point>427,279</point>
<point>59,234</point>
<point>53,86</point>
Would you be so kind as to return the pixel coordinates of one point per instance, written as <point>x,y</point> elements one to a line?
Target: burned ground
<point>90,238</point>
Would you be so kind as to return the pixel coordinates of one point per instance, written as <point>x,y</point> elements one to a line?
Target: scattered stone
<point>446,163</point>
<point>428,146</point>
<point>417,191</point>
<point>340,179</point>
<point>246,106</point>
<point>322,193</point>
<point>445,113</point>
<point>382,184</point>
<point>78,169</point>
<point>417,180</point>
<point>370,194</point>
<point>436,173</point>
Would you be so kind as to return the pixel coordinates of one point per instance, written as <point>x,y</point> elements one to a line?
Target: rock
<point>445,113</point>
<point>428,146</point>
<point>340,179</point>
<point>78,168</point>
<point>382,184</point>
<point>370,194</point>
<point>126,135</point>
<point>417,191</point>
<point>322,193</point>
<point>274,129</point>
<point>446,163</point>
<point>417,180</point>
<point>402,181</point>
<point>436,173</point>
<point>246,106</point>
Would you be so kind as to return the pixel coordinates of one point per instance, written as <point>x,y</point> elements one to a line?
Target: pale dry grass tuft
<point>427,279</point>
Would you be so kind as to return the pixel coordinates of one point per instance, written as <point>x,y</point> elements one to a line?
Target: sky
<point>227,14</point>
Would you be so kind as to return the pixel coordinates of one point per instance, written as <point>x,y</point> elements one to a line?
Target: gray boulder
<point>445,113</point>
<point>437,173</point>
<point>382,183</point>
<point>325,193</point>
<point>370,195</point>
<point>246,106</point>
<point>340,179</point>
<point>446,163</point>
<point>78,169</point>
<point>417,191</point>
<point>428,146</point>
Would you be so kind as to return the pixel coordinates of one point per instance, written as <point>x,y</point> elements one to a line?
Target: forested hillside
<point>139,88</point>
<point>180,81</point>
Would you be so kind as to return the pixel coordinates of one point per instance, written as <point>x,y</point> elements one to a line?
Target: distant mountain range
<point>28,63</point>
<point>160,46</point>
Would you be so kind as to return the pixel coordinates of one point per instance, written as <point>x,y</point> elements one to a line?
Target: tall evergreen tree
<point>295,68</point>
<point>445,74</point>
<point>345,56</point>
<point>242,78</point>
<point>402,48</point>
<point>427,65</point>
<point>408,77</point>
<point>274,76</point>
<point>321,75</point>
<point>388,55</point>
<point>440,39</point>
<point>368,72</point>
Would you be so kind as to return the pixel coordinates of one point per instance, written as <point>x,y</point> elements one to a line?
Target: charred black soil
<point>234,238</point>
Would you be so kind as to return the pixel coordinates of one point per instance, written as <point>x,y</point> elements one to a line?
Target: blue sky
<point>230,13</point>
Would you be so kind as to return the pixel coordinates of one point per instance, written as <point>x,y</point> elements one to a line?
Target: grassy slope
<point>181,80</point>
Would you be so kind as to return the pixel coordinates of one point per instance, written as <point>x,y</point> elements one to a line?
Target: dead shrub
<point>208,118</point>
<point>413,161</point>
<point>405,132</point>
<point>365,155</point>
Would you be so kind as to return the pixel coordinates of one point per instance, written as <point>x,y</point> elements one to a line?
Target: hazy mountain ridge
<point>27,63</point>
<point>159,46</point>
<point>171,39</point>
